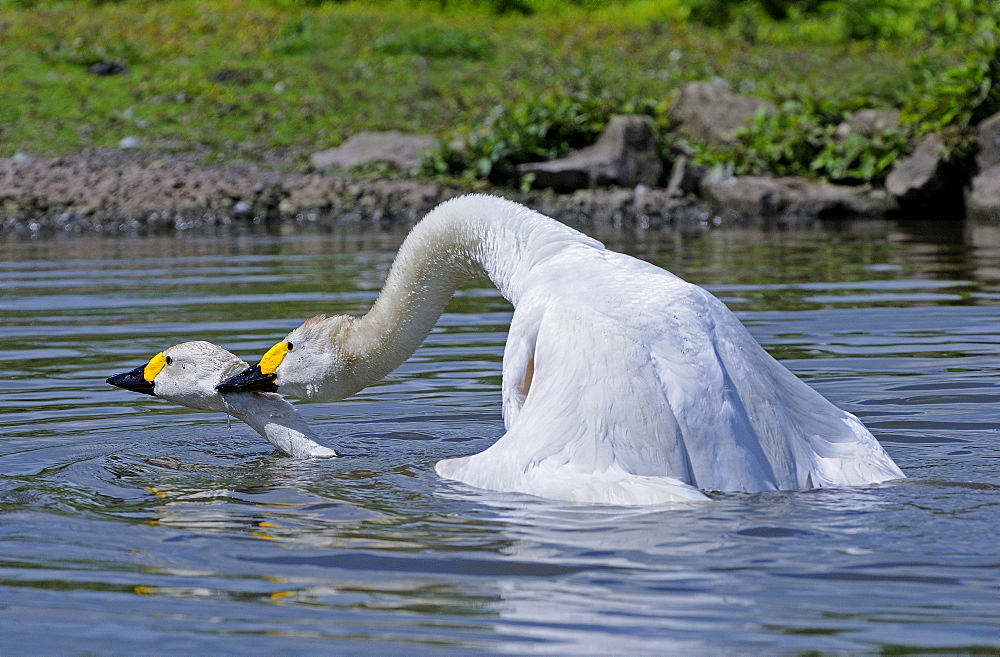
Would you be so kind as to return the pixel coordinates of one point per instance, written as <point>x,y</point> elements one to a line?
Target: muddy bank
<point>114,191</point>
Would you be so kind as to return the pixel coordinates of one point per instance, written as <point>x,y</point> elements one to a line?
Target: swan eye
<point>290,346</point>
<point>170,361</point>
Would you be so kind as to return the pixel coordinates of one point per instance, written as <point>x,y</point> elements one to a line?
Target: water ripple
<point>130,522</point>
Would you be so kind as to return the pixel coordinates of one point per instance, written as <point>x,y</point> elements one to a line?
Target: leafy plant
<point>802,140</point>
<point>961,96</point>
<point>535,129</point>
<point>860,158</point>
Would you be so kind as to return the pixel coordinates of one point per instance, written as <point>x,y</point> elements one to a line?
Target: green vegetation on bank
<point>508,81</point>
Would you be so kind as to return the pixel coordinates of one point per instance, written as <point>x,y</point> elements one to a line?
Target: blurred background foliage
<point>499,81</point>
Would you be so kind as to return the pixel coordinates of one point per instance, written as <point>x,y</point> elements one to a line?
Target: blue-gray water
<point>129,525</point>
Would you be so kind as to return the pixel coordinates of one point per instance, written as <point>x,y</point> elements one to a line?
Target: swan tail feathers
<point>857,461</point>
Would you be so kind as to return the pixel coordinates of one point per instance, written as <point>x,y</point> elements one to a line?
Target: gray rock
<point>982,202</point>
<point>868,122</point>
<point>129,142</point>
<point>710,113</point>
<point>396,149</point>
<point>625,154</point>
<point>925,179</point>
<point>988,141</point>
<point>793,198</point>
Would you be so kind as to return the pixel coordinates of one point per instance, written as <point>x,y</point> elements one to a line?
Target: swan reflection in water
<point>577,576</point>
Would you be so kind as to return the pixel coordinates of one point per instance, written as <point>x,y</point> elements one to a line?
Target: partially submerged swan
<point>187,374</point>
<point>622,383</point>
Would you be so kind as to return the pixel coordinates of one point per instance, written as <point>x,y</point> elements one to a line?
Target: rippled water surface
<point>130,525</point>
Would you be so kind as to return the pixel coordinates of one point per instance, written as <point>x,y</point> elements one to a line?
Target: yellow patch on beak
<point>269,362</point>
<point>153,367</point>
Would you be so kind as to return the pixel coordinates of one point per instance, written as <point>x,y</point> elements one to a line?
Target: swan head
<point>312,362</point>
<point>186,374</point>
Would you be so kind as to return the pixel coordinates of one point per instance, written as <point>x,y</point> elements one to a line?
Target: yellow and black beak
<point>134,380</point>
<point>261,377</point>
<point>141,378</point>
<point>250,380</point>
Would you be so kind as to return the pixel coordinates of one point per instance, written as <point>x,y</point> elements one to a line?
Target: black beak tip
<point>249,380</point>
<point>132,380</point>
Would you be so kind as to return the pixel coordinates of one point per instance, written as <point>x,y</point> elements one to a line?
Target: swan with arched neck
<point>622,383</point>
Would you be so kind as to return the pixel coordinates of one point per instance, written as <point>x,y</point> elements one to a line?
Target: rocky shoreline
<point>125,192</point>
<point>112,191</point>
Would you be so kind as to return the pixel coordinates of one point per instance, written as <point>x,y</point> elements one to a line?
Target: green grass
<point>234,79</point>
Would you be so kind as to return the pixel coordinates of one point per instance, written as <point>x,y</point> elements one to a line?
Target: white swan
<point>187,374</point>
<point>622,383</point>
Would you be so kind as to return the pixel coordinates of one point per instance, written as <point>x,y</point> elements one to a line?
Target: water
<point>131,525</point>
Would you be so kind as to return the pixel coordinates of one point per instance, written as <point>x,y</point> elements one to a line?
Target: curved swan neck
<point>460,239</point>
